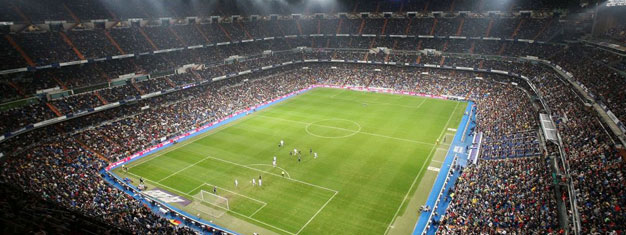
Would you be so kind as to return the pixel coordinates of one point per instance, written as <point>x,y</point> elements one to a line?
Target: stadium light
<point>615,3</point>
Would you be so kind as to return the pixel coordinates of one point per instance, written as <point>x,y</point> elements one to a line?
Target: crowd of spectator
<point>595,164</point>
<point>77,103</point>
<point>122,133</point>
<point>91,74</point>
<point>28,213</point>
<point>509,190</point>
<point>617,34</point>
<point>63,172</point>
<point>47,47</point>
<point>597,168</point>
<point>588,64</point>
<point>502,197</point>
<point>23,116</point>
<point>92,43</point>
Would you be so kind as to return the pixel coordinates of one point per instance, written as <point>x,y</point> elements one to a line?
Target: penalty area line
<point>260,164</point>
<point>231,211</point>
<point>196,188</point>
<point>270,173</point>
<point>221,188</point>
<point>160,153</point>
<point>175,147</point>
<point>181,170</point>
<point>318,211</point>
<point>257,210</point>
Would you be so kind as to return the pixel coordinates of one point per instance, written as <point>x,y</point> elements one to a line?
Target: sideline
<point>430,155</point>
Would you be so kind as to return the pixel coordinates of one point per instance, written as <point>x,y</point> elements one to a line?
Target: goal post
<point>214,199</point>
<point>225,201</point>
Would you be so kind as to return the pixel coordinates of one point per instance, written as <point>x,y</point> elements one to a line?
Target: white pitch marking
<point>318,211</point>
<point>435,169</point>
<point>177,146</point>
<point>336,94</point>
<point>339,128</point>
<point>288,176</point>
<point>256,200</point>
<point>231,211</point>
<point>257,210</point>
<point>234,163</point>
<point>379,103</point>
<point>420,105</point>
<point>354,132</point>
<point>183,169</point>
<point>163,152</point>
<point>194,189</point>
<point>270,173</point>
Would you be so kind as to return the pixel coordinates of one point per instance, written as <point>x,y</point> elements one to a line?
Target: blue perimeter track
<point>462,154</point>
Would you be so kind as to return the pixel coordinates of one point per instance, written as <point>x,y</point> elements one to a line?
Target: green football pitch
<point>377,160</point>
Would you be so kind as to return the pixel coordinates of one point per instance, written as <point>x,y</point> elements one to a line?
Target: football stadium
<point>313,117</point>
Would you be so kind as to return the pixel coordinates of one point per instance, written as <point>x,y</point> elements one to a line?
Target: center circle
<point>333,128</point>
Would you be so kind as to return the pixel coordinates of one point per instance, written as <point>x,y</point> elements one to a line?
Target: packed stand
<point>502,197</point>
<point>597,167</point>
<point>63,172</point>
<point>587,64</point>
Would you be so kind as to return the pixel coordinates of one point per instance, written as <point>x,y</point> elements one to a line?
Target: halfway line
<point>344,129</point>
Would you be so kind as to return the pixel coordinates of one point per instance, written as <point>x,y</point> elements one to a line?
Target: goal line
<point>214,199</point>
<point>226,200</point>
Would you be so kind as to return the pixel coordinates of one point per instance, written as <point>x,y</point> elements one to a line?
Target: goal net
<point>207,209</point>
<point>213,199</point>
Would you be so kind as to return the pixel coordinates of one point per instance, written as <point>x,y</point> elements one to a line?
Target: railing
<point>445,184</point>
<point>469,120</point>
